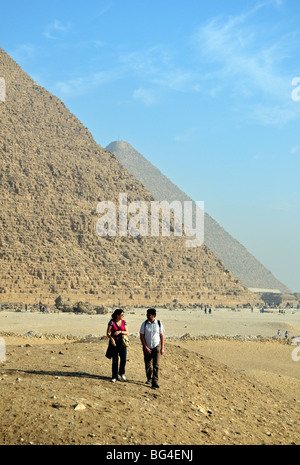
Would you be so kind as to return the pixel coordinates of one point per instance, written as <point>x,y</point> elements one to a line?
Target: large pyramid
<point>234,255</point>
<point>52,176</point>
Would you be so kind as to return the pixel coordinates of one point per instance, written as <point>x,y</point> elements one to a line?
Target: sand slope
<point>210,393</point>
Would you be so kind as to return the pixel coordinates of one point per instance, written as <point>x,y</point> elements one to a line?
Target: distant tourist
<point>115,329</point>
<point>152,338</point>
<point>279,333</point>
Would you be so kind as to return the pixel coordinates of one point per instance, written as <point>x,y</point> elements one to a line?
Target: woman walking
<point>116,327</point>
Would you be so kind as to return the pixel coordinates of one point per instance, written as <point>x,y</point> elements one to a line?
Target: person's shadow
<point>74,374</point>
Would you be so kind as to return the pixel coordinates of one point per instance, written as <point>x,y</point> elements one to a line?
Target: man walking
<point>152,338</point>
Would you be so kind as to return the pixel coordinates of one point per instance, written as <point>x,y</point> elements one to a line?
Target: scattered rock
<point>79,406</point>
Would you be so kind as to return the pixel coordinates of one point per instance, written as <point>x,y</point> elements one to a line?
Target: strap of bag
<point>158,321</point>
<point>118,328</point>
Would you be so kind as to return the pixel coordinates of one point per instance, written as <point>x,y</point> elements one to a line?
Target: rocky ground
<point>59,392</point>
<point>226,378</point>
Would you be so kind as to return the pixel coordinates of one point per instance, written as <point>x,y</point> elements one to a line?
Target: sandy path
<point>228,391</point>
<point>221,322</point>
<point>270,362</point>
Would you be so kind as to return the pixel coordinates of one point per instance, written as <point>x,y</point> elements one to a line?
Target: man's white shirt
<point>152,332</point>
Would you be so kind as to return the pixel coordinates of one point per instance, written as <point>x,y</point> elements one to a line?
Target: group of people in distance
<point>152,339</point>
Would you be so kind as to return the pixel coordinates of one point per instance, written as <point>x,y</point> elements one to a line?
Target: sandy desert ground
<point>226,378</point>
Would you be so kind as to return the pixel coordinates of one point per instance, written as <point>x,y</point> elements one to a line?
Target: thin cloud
<point>55,29</point>
<point>274,115</point>
<point>84,84</point>
<point>157,67</point>
<point>23,52</point>
<point>146,63</point>
<point>187,135</point>
<point>294,149</point>
<point>247,63</point>
<point>178,80</point>
<point>232,49</point>
<point>146,96</point>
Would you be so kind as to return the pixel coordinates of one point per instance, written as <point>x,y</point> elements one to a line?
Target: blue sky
<point>203,89</point>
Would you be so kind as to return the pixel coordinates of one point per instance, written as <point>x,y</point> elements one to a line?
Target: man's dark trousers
<point>152,364</point>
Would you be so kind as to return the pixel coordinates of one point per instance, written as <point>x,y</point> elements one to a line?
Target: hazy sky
<point>203,89</point>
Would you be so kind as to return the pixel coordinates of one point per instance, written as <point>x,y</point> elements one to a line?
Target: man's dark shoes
<point>155,385</point>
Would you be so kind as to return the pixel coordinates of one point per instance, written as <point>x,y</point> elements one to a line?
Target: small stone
<point>79,406</point>
<point>204,431</point>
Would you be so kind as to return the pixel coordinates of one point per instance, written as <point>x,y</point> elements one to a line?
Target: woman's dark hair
<point>117,312</point>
